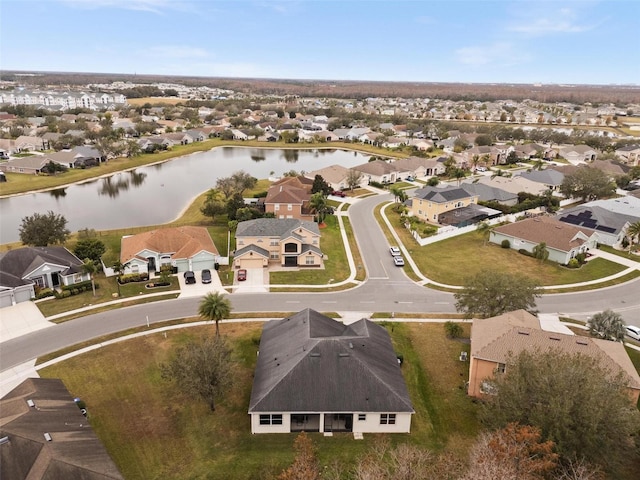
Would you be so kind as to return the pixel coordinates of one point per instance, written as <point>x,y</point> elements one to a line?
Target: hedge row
<point>68,290</point>
<point>133,277</point>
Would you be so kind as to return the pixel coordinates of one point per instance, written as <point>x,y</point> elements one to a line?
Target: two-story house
<point>289,198</point>
<point>429,203</point>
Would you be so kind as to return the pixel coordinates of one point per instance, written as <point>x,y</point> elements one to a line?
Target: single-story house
<point>515,184</point>
<point>563,241</point>
<point>629,154</point>
<point>22,270</point>
<point>183,248</point>
<point>289,242</point>
<point>496,341</point>
<point>488,193</point>
<point>419,167</point>
<point>45,435</point>
<point>380,171</point>
<point>26,143</point>
<point>609,218</point>
<point>551,179</point>
<point>336,176</point>
<point>29,165</point>
<point>575,154</point>
<point>428,203</point>
<point>316,374</point>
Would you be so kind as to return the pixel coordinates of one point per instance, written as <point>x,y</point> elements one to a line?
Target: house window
<point>240,242</point>
<point>275,419</point>
<point>289,207</point>
<point>290,247</point>
<point>135,268</point>
<point>274,255</point>
<point>501,368</point>
<point>315,241</point>
<point>273,243</point>
<point>387,419</point>
<point>309,260</point>
<point>362,417</point>
<point>276,207</point>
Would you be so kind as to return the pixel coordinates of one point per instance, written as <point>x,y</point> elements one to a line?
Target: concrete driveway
<point>257,281</point>
<point>21,319</point>
<point>200,289</point>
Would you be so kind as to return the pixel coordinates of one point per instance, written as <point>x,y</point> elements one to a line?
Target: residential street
<point>387,289</point>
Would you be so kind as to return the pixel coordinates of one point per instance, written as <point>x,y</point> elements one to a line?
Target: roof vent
<point>523,332</point>
<point>314,354</point>
<point>582,342</point>
<point>350,345</point>
<point>4,440</point>
<point>343,354</point>
<point>555,338</point>
<point>47,437</point>
<point>30,403</point>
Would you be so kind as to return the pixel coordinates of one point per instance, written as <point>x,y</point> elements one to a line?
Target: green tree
<point>633,232</point>
<point>234,203</point>
<point>452,329</point>
<point>608,325</point>
<point>40,230</point>
<point>318,204</point>
<point>203,368</point>
<point>215,307</point>
<point>540,252</point>
<point>353,179</point>
<point>573,399</point>
<point>490,293</point>
<point>242,181</point>
<point>320,185</point>
<point>433,181</point>
<point>484,230</point>
<point>90,248</point>
<point>214,204</point>
<point>587,183</point>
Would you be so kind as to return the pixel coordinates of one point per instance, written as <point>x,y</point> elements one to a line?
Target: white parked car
<point>395,251</point>
<point>481,169</point>
<point>633,332</point>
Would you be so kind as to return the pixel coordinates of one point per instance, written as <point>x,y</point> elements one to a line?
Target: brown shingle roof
<point>286,193</point>
<point>556,234</point>
<point>498,339</point>
<point>181,242</point>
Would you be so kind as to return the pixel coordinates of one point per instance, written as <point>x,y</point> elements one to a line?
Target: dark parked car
<point>206,276</point>
<point>339,193</point>
<point>189,277</point>
<point>242,275</point>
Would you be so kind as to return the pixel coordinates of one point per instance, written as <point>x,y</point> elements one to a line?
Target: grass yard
<point>153,431</point>
<point>451,261</point>
<point>336,267</point>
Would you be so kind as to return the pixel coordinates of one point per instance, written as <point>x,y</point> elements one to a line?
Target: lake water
<point>156,194</point>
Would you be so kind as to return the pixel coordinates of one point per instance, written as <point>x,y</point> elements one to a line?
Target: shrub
<point>429,230</point>
<point>133,277</point>
<point>65,293</point>
<point>373,183</point>
<point>581,257</point>
<point>453,330</point>
<point>44,293</point>
<point>524,252</point>
<point>573,263</point>
<point>505,243</point>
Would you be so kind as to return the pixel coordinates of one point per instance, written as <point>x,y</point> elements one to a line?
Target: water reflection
<point>112,187</point>
<point>137,178</point>
<point>291,155</point>
<point>58,192</point>
<point>258,155</point>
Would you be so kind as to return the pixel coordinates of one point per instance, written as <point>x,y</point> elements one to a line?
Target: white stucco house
<point>316,374</point>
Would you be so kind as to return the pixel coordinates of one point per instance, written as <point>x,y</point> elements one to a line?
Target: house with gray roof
<point>551,179</point>
<point>45,435</point>
<point>30,165</point>
<point>420,167</point>
<point>316,374</point>
<point>380,171</point>
<point>428,203</point>
<point>24,269</point>
<point>288,242</point>
<point>489,193</point>
<point>629,154</point>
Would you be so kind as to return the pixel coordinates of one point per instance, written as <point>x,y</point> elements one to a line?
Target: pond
<point>158,194</point>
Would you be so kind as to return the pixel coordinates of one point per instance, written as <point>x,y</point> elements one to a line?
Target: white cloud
<point>154,6</point>
<point>562,21</point>
<point>175,51</point>
<point>499,54</point>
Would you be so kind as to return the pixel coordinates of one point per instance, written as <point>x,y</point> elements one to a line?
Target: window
<point>501,368</point>
<point>274,242</point>
<point>362,417</point>
<point>274,255</point>
<point>387,419</point>
<point>315,241</point>
<point>135,268</point>
<point>309,260</point>
<point>289,207</point>
<point>276,207</point>
<point>275,419</point>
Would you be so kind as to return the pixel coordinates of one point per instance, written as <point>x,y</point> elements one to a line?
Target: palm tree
<point>484,229</point>
<point>215,306</point>
<point>318,204</point>
<point>89,267</point>
<point>633,232</point>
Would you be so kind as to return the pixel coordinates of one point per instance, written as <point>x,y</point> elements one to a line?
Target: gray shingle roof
<point>487,193</point>
<point>312,363</point>
<point>15,264</point>
<point>442,195</point>
<point>547,177</point>
<point>273,227</point>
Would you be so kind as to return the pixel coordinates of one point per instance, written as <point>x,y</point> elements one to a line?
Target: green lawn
<point>451,261</point>
<point>620,253</point>
<point>152,430</point>
<point>336,267</point>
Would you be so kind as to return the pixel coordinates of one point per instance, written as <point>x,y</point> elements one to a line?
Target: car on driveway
<point>206,276</point>
<point>395,251</point>
<point>339,193</point>
<point>398,261</point>
<point>241,275</point>
<point>189,277</point>
<point>632,331</point>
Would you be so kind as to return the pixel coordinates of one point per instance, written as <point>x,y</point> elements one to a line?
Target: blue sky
<point>515,41</point>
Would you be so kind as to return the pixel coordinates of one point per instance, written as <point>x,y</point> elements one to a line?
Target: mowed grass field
<point>453,260</point>
<point>152,430</point>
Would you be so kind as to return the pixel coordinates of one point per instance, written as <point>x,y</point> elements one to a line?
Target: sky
<point>501,41</point>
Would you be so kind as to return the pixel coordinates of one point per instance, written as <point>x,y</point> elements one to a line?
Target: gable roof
<point>312,363</point>
<point>181,242</point>
<point>546,177</point>
<point>287,193</point>
<point>499,339</point>
<point>331,174</point>
<point>274,227</point>
<point>413,163</point>
<point>595,216</point>
<point>377,167</point>
<point>15,264</point>
<point>488,193</point>
<point>556,234</point>
<point>74,453</point>
<point>442,195</point>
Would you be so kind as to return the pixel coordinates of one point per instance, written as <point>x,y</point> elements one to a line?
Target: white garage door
<point>251,263</point>
<point>198,265</point>
<point>5,299</point>
<point>23,295</point>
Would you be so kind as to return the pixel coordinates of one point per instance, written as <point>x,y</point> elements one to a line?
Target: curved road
<point>387,289</point>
